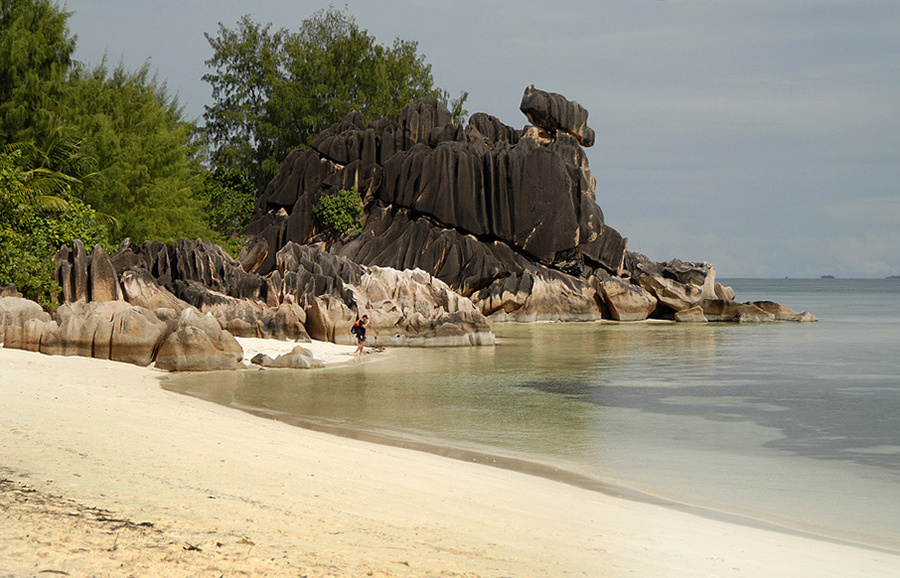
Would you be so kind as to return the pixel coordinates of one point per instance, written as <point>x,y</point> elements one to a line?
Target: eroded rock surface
<point>470,206</point>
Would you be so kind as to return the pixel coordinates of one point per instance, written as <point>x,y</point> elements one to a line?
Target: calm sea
<point>785,424</point>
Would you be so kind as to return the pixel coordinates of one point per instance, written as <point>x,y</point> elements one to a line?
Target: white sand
<point>231,494</point>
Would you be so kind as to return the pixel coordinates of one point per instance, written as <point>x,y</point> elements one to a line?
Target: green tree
<point>228,199</point>
<point>274,91</point>
<point>147,157</point>
<point>118,133</point>
<point>35,56</point>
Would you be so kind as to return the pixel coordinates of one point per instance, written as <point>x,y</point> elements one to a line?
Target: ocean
<point>794,426</point>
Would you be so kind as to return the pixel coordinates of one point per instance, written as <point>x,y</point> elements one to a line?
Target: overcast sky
<point>762,136</point>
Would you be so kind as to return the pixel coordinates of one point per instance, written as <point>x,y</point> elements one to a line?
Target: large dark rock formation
<point>507,217</point>
<point>461,225</point>
<point>473,206</point>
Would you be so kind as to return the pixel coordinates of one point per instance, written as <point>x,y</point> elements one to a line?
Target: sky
<point>762,136</point>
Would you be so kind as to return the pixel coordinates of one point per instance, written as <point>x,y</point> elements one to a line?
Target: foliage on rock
<point>342,212</point>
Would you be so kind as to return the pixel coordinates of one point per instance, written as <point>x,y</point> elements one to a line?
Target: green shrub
<point>31,229</point>
<point>341,212</point>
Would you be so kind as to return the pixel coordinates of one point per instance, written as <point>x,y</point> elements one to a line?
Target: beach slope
<point>104,473</point>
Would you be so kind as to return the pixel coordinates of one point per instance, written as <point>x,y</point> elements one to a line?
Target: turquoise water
<point>796,425</point>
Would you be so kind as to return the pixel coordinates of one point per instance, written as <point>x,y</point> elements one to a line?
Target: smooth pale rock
<point>724,292</point>
<point>626,302</point>
<point>14,313</point>
<point>692,315</point>
<point>533,297</point>
<point>783,313</point>
<point>74,334</point>
<point>412,308</point>
<point>49,340</point>
<point>723,310</point>
<point>806,317</point>
<point>248,317</point>
<point>31,335</point>
<point>198,344</point>
<point>136,335</point>
<point>189,348</point>
<point>297,358</point>
<point>677,284</point>
<point>329,319</point>
<point>141,289</point>
<point>668,292</point>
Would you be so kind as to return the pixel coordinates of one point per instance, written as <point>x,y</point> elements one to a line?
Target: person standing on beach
<point>359,330</point>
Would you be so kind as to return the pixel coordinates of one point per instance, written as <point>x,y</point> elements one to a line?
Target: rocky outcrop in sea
<point>506,217</point>
<point>462,227</point>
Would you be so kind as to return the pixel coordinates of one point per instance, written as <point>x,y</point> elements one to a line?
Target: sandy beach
<point>104,473</point>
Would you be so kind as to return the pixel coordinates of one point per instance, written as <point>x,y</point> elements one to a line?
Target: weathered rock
<point>554,112</point>
<point>491,129</point>
<point>91,330</point>
<point>74,332</point>
<point>489,201</point>
<point>30,339</point>
<point>392,238</point>
<point>49,340</point>
<point>309,272</point>
<point>10,290</point>
<point>102,280</point>
<point>141,289</point>
<point>329,319</point>
<point>676,284</point>
<point>14,313</point>
<point>724,292</point>
<point>126,256</point>
<point>783,313</point>
<point>188,261</point>
<point>297,358</point>
<point>722,310</point>
<point>85,277</point>
<point>198,344</point>
<point>79,273</point>
<point>692,315</point>
<point>530,297</point>
<point>136,336</point>
<point>534,196</point>
<point>245,318</point>
<point>626,302</point>
<point>413,308</point>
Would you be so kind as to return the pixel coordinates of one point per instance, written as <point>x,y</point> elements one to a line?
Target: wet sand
<point>105,473</point>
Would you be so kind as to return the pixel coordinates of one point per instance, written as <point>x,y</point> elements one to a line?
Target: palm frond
<point>46,181</point>
<point>51,203</point>
<point>108,220</point>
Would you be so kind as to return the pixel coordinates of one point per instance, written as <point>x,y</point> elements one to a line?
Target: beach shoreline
<point>138,480</point>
